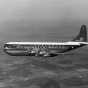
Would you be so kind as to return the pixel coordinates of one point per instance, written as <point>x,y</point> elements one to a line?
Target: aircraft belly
<point>35,51</point>
<point>16,52</point>
<point>58,50</point>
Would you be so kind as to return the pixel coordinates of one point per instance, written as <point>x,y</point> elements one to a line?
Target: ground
<point>63,71</point>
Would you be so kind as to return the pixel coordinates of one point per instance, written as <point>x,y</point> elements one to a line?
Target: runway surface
<point>63,71</point>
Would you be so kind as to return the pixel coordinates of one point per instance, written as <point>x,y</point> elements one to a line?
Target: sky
<point>25,20</point>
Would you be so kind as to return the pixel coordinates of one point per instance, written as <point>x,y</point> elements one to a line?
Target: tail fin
<point>82,36</point>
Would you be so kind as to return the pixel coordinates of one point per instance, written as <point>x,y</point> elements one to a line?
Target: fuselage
<point>39,48</point>
<point>46,48</point>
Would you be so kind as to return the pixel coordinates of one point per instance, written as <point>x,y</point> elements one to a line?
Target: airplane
<point>46,48</point>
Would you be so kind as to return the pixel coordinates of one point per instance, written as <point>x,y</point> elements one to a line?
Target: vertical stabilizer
<point>82,36</point>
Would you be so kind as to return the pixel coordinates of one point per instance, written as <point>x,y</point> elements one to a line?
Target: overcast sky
<point>41,19</point>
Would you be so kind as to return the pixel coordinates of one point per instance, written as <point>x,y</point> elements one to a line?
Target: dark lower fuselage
<point>32,51</point>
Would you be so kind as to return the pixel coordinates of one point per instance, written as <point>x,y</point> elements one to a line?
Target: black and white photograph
<point>43,44</point>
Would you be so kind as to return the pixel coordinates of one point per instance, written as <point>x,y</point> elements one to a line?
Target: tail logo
<point>82,36</point>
